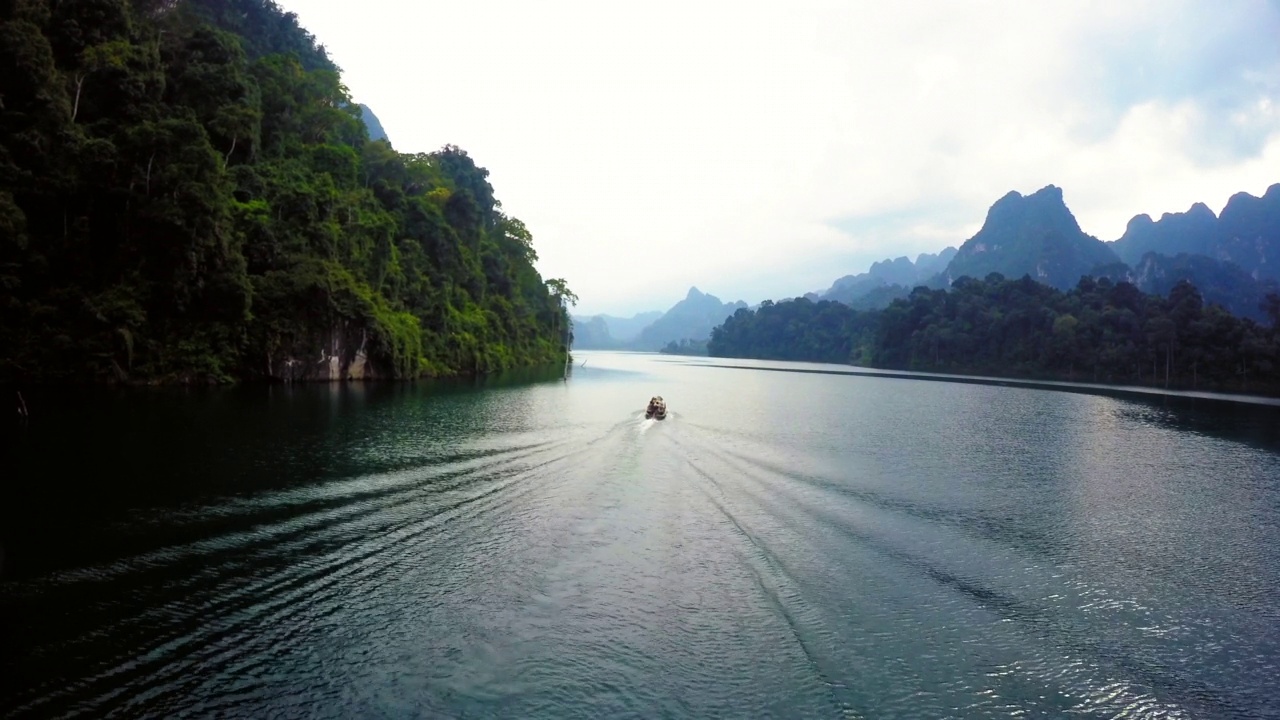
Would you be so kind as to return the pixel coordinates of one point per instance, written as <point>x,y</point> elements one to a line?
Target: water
<point>784,544</point>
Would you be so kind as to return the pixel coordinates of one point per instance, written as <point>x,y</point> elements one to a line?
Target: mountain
<point>371,122</point>
<point>626,329</point>
<point>690,319</point>
<point>1037,235</point>
<point>608,332</point>
<point>1248,233</point>
<point>1190,232</point>
<point>1231,259</point>
<point>592,333</point>
<point>929,264</point>
<point>856,290</point>
<point>1034,235</point>
<point>1234,258</point>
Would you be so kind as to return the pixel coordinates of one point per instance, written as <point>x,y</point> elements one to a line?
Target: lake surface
<point>785,544</point>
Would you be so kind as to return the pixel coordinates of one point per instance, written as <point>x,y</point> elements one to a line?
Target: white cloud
<point>750,147</point>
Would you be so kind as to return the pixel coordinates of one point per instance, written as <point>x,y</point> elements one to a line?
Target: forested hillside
<point>188,193</point>
<point>1098,331</point>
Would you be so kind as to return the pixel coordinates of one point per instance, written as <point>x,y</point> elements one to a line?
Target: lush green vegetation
<point>799,329</point>
<point>187,193</point>
<point>1100,331</point>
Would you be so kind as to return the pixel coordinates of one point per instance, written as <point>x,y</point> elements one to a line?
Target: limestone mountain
<point>690,319</point>
<point>875,284</point>
<point>1189,232</point>
<point>1248,233</point>
<point>592,333</point>
<point>609,332</point>
<point>1232,258</point>
<point>627,328</point>
<point>1032,235</point>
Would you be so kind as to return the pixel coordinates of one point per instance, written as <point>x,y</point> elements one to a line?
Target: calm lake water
<point>783,545</point>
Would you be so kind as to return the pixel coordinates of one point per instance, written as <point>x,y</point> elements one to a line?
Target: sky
<point>764,149</point>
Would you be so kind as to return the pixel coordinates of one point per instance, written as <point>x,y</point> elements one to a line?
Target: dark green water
<point>784,545</point>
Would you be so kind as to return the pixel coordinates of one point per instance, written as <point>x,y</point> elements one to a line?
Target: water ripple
<point>783,545</point>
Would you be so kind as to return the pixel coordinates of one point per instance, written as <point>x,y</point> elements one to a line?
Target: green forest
<point>188,194</point>
<point>1100,331</point>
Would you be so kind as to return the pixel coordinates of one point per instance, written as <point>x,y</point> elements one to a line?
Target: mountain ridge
<point>689,319</point>
<point>1037,235</point>
<point>1228,256</point>
<point>1034,234</point>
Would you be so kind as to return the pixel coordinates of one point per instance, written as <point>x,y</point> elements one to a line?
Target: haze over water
<point>785,544</point>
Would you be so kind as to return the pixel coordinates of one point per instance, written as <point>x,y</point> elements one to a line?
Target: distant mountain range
<point>690,319</point>
<point>886,280</point>
<point>1232,259</point>
<point>1247,234</point>
<point>1175,233</point>
<point>601,332</point>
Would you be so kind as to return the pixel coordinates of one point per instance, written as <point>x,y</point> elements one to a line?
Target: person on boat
<point>656,406</point>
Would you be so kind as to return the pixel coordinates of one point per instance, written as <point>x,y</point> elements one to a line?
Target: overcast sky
<point>762,150</point>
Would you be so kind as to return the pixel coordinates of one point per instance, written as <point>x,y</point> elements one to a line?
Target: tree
<point>1064,332</point>
<point>1271,306</point>
<point>188,193</point>
<point>561,293</point>
<point>1018,327</point>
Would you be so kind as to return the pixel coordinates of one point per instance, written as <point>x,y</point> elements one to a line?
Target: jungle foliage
<point>1099,331</point>
<point>188,193</point>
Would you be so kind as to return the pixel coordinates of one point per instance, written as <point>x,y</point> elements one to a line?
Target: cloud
<point>1224,59</point>
<point>750,147</point>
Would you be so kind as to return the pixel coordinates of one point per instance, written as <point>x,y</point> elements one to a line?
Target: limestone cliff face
<point>342,352</point>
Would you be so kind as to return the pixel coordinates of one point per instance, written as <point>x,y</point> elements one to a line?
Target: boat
<point>657,408</point>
